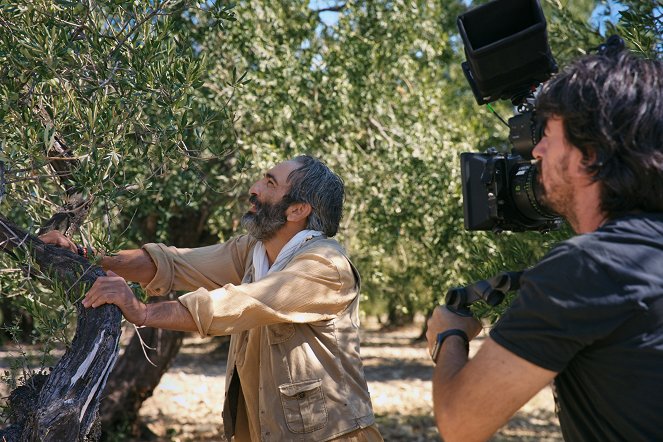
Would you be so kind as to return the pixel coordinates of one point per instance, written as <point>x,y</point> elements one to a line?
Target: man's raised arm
<point>133,265</point>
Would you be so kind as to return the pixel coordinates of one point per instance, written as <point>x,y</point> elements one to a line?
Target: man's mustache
<point>536,164</point>
<point>253,199</point>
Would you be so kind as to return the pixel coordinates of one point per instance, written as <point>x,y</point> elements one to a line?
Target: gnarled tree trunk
<point>134,379</point>
<point>64,405</point>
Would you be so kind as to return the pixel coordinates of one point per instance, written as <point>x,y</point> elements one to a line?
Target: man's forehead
<point>282,170</point>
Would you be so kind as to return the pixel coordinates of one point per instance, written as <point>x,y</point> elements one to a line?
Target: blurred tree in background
<point>375,88</point>
<point>137,122</point>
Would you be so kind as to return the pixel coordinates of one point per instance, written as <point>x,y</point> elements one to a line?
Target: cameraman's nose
<point>537,152</point>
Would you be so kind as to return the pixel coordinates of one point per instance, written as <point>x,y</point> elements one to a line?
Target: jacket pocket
<point>304,406</point>
<point>279,333</point>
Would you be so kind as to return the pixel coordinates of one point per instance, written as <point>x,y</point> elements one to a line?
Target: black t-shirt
<point>592,310</point>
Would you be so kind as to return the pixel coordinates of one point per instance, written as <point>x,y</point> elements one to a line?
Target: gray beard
<point>266,221</point>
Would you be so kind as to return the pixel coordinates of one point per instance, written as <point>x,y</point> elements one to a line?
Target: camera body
<point>502,192</point>
<point>508,57</point>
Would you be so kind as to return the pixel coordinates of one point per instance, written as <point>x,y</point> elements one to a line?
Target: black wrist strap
<point>444,335</point>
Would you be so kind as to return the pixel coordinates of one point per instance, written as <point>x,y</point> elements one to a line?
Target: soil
<point>186,406</point>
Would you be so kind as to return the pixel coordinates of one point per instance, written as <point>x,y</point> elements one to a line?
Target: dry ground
<point>186,406</point>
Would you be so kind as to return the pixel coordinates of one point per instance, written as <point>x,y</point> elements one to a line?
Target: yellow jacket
<point>294,336</point>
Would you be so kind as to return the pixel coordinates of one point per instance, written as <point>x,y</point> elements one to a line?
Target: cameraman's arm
<point>474,398</point>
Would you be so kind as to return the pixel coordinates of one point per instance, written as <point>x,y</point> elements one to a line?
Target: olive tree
<point>102,126</point>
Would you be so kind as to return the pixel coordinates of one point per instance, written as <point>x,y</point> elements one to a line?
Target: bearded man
<point>589,315</point>
<point>286,293</point>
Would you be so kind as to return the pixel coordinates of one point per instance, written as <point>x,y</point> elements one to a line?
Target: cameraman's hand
<point>113,289</point>
<point>443,319</point>
<point>56,238</point>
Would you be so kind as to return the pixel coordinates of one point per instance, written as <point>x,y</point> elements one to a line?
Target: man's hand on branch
<point>113,289</point>
<point>56,238</point>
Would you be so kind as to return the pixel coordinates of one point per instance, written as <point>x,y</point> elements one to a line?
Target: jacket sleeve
<point>188,269</point>
<point>316,286</point>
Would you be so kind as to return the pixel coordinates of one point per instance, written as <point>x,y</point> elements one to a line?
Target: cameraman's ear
<point>298,211</point>
<point>592,160</point>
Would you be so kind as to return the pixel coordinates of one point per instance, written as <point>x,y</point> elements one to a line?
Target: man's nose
<point>253,190</point>
<point>537,152</point>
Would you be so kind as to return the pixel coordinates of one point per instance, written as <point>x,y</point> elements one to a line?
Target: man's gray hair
<point>314,183</point>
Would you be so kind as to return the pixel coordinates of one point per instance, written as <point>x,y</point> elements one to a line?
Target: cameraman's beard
<point>540,192</point>
<point>267,219</point>
<point>560,200</point>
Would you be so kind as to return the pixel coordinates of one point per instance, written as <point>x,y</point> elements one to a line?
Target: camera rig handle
<point>491,290</point>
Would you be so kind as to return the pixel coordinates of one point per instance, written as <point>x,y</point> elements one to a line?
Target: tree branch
<point>68,403</point>
<point>337,8</point>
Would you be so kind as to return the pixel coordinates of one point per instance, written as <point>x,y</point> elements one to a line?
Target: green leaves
<point>102,96</point>
<point>166,105</point>
<point>641,24</point>
<point>116,78</point>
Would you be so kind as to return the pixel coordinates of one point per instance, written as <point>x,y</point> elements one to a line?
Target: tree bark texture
<point>134,379</point>
<point>65,407</point>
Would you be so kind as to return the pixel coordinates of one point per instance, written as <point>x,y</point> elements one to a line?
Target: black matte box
<point>506,47</point>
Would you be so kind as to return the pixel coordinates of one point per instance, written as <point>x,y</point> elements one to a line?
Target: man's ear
<point>298,211</point>
<point>590,160</point>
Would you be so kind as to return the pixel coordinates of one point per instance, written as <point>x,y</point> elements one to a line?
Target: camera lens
<point>527,193</point>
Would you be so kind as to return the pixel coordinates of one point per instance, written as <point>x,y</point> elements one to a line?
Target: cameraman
<point>589,315</point>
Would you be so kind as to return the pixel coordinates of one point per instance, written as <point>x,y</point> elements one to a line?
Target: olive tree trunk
<point>134,378</point>
<point>63,405</point>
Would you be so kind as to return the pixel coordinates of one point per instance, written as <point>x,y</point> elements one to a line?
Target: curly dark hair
<point>611,106</point>
<point>315,183</point>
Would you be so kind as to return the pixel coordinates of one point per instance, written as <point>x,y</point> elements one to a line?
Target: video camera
<point>508,57</point>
